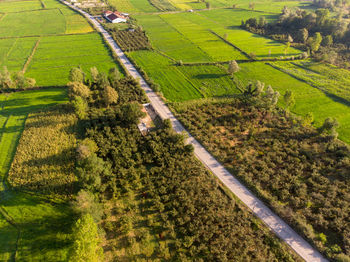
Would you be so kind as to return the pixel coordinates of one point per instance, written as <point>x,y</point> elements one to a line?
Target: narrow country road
<point>276,224</point>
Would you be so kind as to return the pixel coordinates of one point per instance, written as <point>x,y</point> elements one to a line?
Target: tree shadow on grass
<point>45,228</point>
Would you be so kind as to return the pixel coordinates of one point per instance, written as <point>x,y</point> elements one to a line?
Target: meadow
<point>189,37</point>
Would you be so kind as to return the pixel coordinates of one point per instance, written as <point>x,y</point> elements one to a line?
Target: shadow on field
<point>44,228</point>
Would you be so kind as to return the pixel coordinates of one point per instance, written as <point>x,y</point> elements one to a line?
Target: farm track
<point>276,224</point>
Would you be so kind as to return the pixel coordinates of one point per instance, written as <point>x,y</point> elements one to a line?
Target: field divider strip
<point>43,4</point>
<point>11,48</point>
<point>30,57</point>
<point>2,17</point>
<point>231,44</point>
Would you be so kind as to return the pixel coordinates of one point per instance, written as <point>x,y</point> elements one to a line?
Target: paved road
<point>276,224</point>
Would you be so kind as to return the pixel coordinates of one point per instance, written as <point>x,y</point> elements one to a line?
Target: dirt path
<point>276,224</point>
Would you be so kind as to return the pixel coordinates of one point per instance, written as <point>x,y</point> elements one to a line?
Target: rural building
<point>115,17</point>
<point>147,122</point>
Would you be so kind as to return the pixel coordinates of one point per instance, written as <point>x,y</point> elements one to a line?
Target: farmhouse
<point>115,17</point>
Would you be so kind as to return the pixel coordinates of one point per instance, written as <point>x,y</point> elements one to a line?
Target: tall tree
<point>315,42</point>
<point>5,79</point>
<point>78,89</point>
<point>94,74</point>
<point>110,96</point>
<point>76,74</point>
<point>233,67</point>
<point>289,99</point>
<point>86,247</point>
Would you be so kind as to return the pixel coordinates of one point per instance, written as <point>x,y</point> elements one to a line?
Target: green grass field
<point>181,83</point>
<point>56,55</point>
<point>15,6</point>
<point>42,22</point>
<point>49,60</point>
<point>39,221</point>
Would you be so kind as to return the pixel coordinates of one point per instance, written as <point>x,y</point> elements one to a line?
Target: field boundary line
<point>231,44</point>
<point>43,4</point>
<point>30,57</point>
<point>11,48</point>
<point>1,17</point>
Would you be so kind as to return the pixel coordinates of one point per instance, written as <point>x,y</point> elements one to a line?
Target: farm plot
<point>181,83</point>
<point>15,6</point>
<point>163,5</point>
<point>133,6</point>
<point>308,99</point>
<point>261,46</point>
<point>75,24</point>
<point>210,80</point>
<point>328,78</point>
<point>46,166</point>
<point>56,55</point>
<point>173,84</point>
<point>44,227</point>
<point>168,40</point>
<point>18,53</point>
<point>216,48</point>
<point>13,112</point>
<point>31,23</point>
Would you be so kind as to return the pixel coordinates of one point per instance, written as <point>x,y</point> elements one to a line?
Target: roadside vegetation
<point>301,172</point>
<point>132,187</point>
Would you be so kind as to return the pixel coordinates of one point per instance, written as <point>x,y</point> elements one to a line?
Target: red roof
<point>114,15</point>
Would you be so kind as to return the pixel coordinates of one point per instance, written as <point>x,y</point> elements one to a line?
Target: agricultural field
<point>46,43</point>
<point>181,83</point>
<point>44,165</point>
<point>56,55</point>
<point>198,38</point>
<point>41,224</point>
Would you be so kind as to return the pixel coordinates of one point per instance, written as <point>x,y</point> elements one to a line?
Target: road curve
<point>275,223</point>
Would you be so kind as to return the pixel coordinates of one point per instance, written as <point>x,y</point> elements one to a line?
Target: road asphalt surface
<point>275,223</point>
